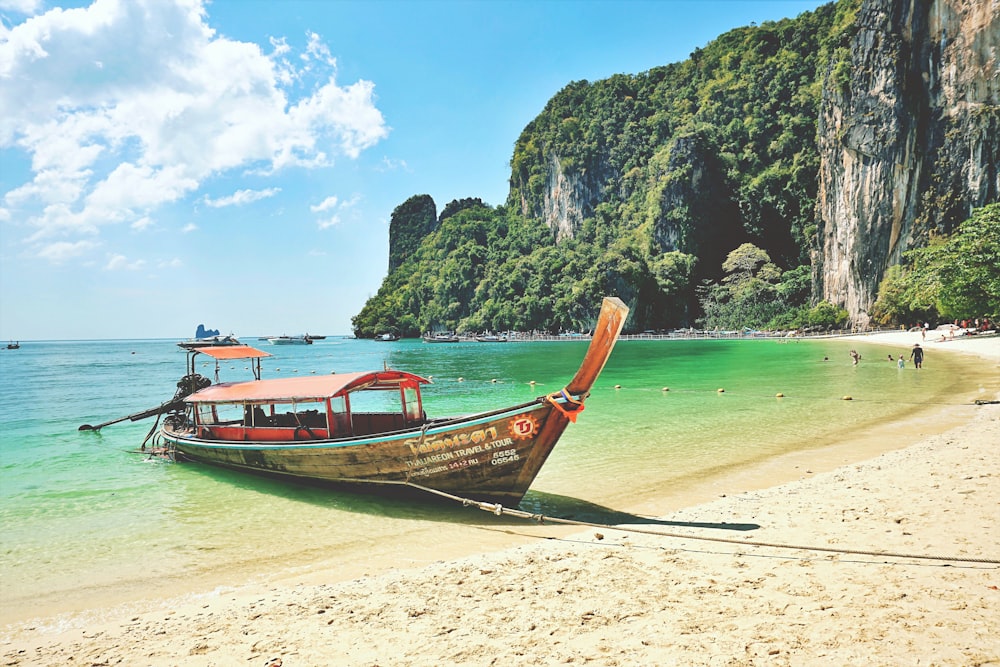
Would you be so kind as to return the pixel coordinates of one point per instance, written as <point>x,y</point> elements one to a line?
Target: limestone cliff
<point>909,138</point>
<point>411,221</point>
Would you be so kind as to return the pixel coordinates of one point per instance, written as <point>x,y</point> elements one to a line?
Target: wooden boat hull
<point>490,457</point>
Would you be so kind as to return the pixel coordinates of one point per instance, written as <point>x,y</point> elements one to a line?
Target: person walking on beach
<point>855,356</point>
<point>917,355</point>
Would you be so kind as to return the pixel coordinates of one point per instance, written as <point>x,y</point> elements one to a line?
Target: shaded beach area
<point>878,550</point>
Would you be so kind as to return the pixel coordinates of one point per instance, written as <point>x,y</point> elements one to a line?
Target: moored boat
<point>441,338</point>
<point>209,341</point>
<point>388,337</point>
<point>290,340</point>
<point>340,428</point>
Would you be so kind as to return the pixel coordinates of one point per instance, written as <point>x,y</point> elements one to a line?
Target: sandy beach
<point>871,558</point>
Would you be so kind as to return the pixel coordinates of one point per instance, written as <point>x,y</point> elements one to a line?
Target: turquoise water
<point>83,516</point>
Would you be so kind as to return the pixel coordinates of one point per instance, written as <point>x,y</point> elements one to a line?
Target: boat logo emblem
<point>523,428</point>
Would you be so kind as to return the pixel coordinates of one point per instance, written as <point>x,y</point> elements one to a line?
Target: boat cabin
<point>342,405</point>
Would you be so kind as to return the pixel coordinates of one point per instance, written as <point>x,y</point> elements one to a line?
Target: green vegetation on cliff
<point>661,176</point>
<point>954,277</point>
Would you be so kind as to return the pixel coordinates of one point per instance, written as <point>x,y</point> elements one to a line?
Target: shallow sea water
<point>84,517</point>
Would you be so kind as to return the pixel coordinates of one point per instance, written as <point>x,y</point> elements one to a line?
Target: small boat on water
<point>491,338</point>
<point>209,341</point>
<point>441,338</point>
<point>14,345</point>
<point>369,429</point>
<point>387,338</point>
<point>290,340</point>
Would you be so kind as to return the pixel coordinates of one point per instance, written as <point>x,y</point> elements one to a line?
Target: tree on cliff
<point>953,277</point>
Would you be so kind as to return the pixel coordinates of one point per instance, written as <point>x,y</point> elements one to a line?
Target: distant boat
<point>321,427</point>
<point>210,341</point>
<point>490,338</point>
<point>441,338</point>
<point>14,345</point>
<point>290,340</point>
<point>387,338</point>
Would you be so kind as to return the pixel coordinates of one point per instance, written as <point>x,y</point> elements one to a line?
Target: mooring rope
<point>500,510</point>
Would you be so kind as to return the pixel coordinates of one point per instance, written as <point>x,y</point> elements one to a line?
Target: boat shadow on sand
<point>576,509</point>
<point>412,503</point>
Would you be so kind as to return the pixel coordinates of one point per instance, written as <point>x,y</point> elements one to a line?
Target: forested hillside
<point>690,191</point>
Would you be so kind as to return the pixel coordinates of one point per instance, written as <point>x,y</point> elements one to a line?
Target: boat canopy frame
<point>258,404</point>
<point>228,353</point>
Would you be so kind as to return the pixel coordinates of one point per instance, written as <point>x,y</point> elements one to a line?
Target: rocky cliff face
<point>569,198</point>
<point>909,139</point>
<point>411,221</point>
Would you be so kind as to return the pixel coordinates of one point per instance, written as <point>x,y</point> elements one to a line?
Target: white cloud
<point>325,205</point>
<point>142,223</point>
<point>21,6</point>
<point>352,202</point>
<point>329,222</point>
<point>121,263</point>
<point>241,197</point>
<point>62,251</point>
<point>174,263</point>
<point>124,106</point>
<point>389,164</point>
<point>332,203</point>
<point>189,227</point>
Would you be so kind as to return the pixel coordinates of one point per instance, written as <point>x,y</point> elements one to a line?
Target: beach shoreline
<point>633,598</point>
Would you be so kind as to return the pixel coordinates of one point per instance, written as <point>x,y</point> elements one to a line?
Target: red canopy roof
<point>300,389</point>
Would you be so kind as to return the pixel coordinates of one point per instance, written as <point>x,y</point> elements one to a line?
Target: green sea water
<point>85,518</point>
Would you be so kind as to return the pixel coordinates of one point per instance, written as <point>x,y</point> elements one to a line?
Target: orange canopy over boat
<point>232,352</point>
<point>286,390</point>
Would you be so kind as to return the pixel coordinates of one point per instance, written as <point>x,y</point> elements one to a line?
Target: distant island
<point>202,332</point>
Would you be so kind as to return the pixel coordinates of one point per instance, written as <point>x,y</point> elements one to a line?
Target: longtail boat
<point>369,429</point>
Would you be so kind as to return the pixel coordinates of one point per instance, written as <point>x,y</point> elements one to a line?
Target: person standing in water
<point>901,363</point>
<point>917,355</point>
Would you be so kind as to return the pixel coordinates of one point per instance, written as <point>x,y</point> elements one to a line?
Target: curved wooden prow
<point>609,325</point>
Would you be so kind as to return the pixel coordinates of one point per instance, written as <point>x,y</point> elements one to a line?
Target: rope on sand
<point>500,510</point>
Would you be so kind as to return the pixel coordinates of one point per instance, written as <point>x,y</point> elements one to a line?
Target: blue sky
<point>169,163</point>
